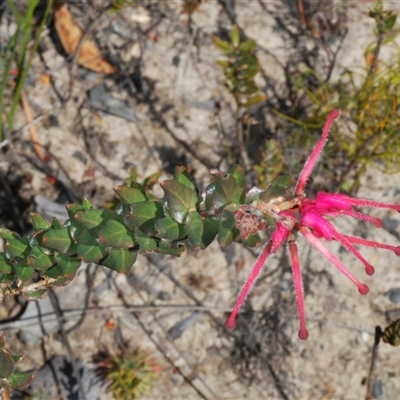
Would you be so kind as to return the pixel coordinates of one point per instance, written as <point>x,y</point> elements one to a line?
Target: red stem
<point>298,284</point>
<point>231,321</point>
<point>313,159</point>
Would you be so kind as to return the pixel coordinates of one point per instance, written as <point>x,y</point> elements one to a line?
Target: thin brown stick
<point>305,20</point>
<point>32,128</point>
<point>64,335</point>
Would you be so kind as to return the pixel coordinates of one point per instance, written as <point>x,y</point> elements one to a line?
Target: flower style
<point>308,217</point>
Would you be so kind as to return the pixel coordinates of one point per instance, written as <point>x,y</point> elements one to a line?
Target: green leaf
<point>147,244</point>
<point>86,204</point>
<point>223,191</point>
<point>94,218</point>
<point>37,259</point>
<point>170,247</point>
<point>245,62</point>
<point>151,180</point>
<point>68,265</point>
<point>39,222</point>
<point>201,232</point>
<point>55,223</point>
<point>235,36</point>
<point>252,240</point>
<point>238,174</point>
<point>33,295</point>
<point>390,20</point>
<point>131,195</point>
<point>248,46</point>
<point>168,229</point>
<point>5,266</point>
<point>145,215</point>
<point>247,72</point>
<point>278,187</point>
<point>23,272</point>
<point>16,358</point>
<point>180,199</point>
<point>58,239</point>
<point>247,88</point>
<point>8,279</point>
<point>6,364</point>
<point>223,63</point>
<point>73,208</point>
<point>120,260</point>
<point>20,379</point>
<point>54,272</point>
<point>116,234</point>
<point>253,195</point>
<point>182,175</point>
<point>7,234</point>
<point>17,248</point>
<point>88,249</point>
<point>227,231</point>
<point>254,100</point>
<point>224,46</point>
<point>36,240</point>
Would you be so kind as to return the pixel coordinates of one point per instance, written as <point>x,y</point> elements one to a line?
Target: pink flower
<point>309,218</point>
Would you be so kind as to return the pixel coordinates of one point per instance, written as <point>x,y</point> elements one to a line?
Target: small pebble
<point>393,295</point>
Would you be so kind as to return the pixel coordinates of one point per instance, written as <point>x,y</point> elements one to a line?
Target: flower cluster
<point>309,218</point>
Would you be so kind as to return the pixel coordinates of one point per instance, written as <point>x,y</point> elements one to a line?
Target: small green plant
<point>127,375</point>
<point>240,68</point>
<point>370,102</point>
<point>10,377</point>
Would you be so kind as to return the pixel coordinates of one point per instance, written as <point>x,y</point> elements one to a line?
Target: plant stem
<point>240,137</point>
<point>371,374</point>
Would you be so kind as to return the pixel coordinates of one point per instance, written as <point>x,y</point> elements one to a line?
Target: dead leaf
<point>71,34</point>
<point>45,79</point>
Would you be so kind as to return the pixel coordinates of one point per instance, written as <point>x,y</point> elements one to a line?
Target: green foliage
<point>391,334</point>
<point>19,52</point>
<point>51,255</point>
<point>10,377</point>
<point>240,68</point>
<point>370,103</point>
<point>385,19</point>
<point>127,375</point>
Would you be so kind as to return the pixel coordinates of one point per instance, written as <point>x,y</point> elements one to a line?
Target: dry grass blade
<point>32,128</point>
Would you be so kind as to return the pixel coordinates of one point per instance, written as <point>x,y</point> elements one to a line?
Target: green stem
<point>23,68</point>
